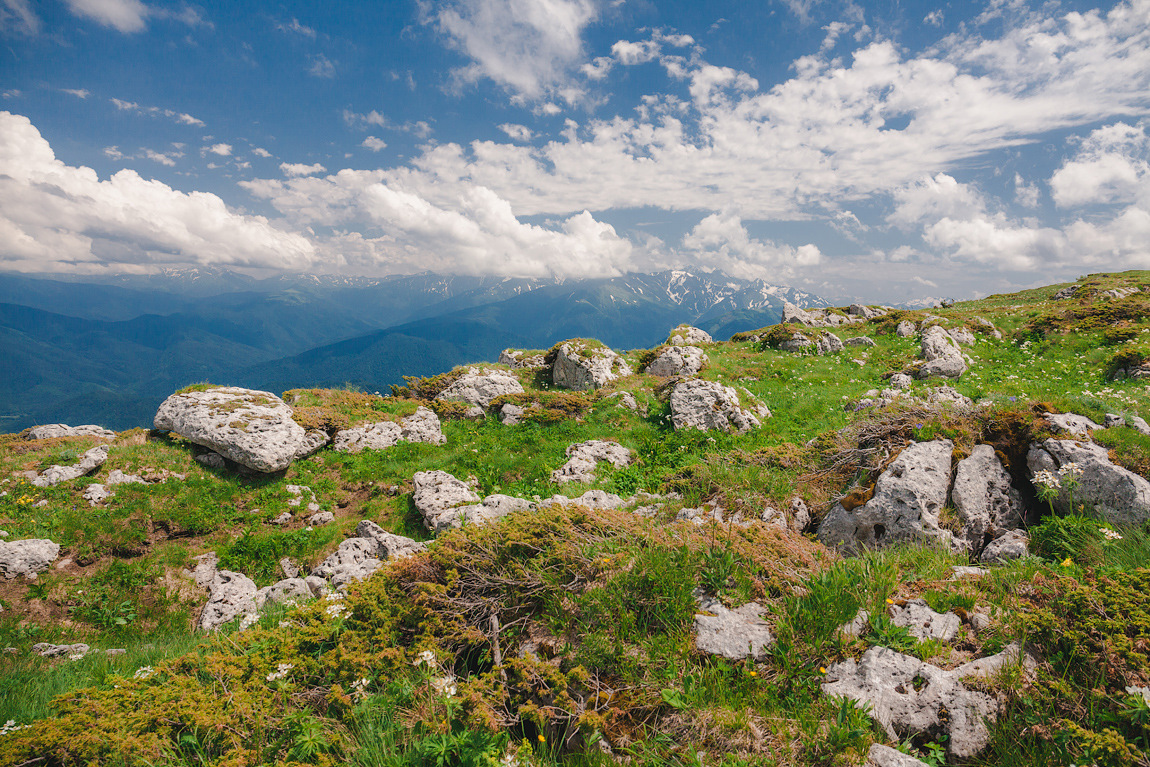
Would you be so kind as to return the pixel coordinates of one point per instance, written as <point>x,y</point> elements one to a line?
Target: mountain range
<point>111,349</point>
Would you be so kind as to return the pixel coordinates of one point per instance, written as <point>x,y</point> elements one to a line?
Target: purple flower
<point>1012,399</point>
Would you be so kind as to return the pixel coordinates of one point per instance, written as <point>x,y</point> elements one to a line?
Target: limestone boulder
<point>231,595</point>
<point>88,463</point>
<point>1011,545</point>
<point>253,428</point>
<point>677,361</point>
<point>287,591</point>
<point>1118,494</point>
<point>437,497</point>
<point>521,358</point>
<point>866,312</point>
<point>685,335</point>
<point>581,365</point>
<point>908,498</point>
<point>355,560</point>
<point>905,329</point>
<point>708,405</point>
<point>885,756</point>
<point>422,426</point>
<point>941,355</point>
<point>986,502</point>
<point>923,623</point>
<point>624,399</point>
<point>910,698</point>
<point>732,634</point>
<point>961,336</point>
<point>1070,423</point>
<point>28,557</point>
<point>828,343</point>
<point>582,458</point>
<point>479,387</point>
<point>53,430</point>
<point>863,341</point>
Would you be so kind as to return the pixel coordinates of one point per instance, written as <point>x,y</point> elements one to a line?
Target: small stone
<point>1012,545</point>
<point>321,518</point>
<point>282,519</point>
<point>924,623</point>
<point>732,634</point>
<point>900,381</point>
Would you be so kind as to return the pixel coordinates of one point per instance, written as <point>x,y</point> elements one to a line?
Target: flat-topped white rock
<point>422,426</point>
<point>677,361</point>
<point>446,502</point>
<point>53,430</point>
<point>521,358</point>
<point>732,634</point>
<point>582,365</point>
<point>686,335</point>
<point>88,463</point>
<point>582,457</point>
<point>253,428</point>
<point>1070,423</point>
<point>707,405</point>
<point>479,387</point>
<point>27,557</point>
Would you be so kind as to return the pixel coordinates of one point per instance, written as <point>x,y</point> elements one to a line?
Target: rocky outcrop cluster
<point>582,458</point>
<point>685,335</point>
<point>522,358</point>
<point>583,365</point>
<point>89,462</point>
<point>941,354</point>
<point>677,361</point>
<point>422,426</point>
<point>708,405</point>
<point>54,430</point>
<point>479,387</point>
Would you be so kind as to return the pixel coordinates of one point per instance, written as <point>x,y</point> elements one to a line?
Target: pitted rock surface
<point>230,596</point>
<point>422,426</point>
<point>686,335</point>
<point>908,498</point>
<point>89,462</point>
<point>1119,495</point>
<point>582,457</point>
<point>623,399</point>
<point>581,366</point>
<point>885,756</point>
<point>941,355</point>
<point>479,387</point>
<point>1014,544</point>
<point>828,343</point>
<point>287,591</point>
<point>676,361</point>
<point>1069,423</point>
<point>866,312</point>
<point>905,329</point>
<point>732,634</point>
<point>924,623</point>
<point>53,430</point>
<point>436,496</point>
<point>962,336</point>
<point>707,405</point>
<point>986,503</point>
<point>253,428</point>
<point>27,557</point>
<point>910,698</point>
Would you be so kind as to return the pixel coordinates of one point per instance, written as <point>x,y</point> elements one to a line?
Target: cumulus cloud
<point>259,151</point>
<point>527,46</point>
<point>932,199</point>
<point>1111,165</point>
<point>56,217</point>
<point>223,150</point>
<point>122,15</point>
<point>374,144</point>
<point>516,132</point>
<point>722,241</point>
<point>628,53</point>
<point>300,169</point>
<point>321,66</point>
<point>1025,194</point>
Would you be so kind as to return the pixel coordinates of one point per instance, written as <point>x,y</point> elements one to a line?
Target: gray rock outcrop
<point>924,623</point>
<point>905,329</point>
<point>53,430</point>
<point>253,428</point>
<point>479,387</point>
<point>422,426</point>
<point>885,756</point>
<point>285,592</point>
<point>676,361</point>
<point>521,358</point>
<point>908,498</point>
<point>685,335</point>
<point>1070,423</point>
<point>623,399</point>
<point>1011,545</point>
<point>582,457</point>
<point>731,634</point>
<point>231,595</point>
<point>707,405</point>
<point>863,341</point>
<point>89,462</point>
<point>1118,494</point>
<point>581,365</point>
<point>828,343</point>
<point>911,698</point>
<point>941,355</point>
<point>866,312</point>
<point>986,503</point>
<point>438,496</point>
<point>27,557</point>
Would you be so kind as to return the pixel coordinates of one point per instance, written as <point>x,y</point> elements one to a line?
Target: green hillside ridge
<point>566,635</point>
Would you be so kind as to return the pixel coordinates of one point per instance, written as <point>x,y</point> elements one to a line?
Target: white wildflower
<point>336,610</point>
<point>281,671</point>
<point>1110,535</point>
<point>1070,469</point>
<point>445,685</point>
<point>143,672</point>
<point>11,726</point>
<point>359,688</point>
<point>1047,479</point>
<point>427,656</point>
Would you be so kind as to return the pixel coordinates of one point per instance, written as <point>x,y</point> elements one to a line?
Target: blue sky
<point>879,150</point>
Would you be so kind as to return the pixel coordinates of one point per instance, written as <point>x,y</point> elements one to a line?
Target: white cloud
<point>516,132</point>
<point>628,53</point>
<point>1112,165</point>
<point>56,217</point>
<point>80,93</point>
<point>296,27</point>
<point>180,117</point>
<point>112,152</point>
<point>168,159</point>
<point>123,15</point>
<point>1025,194</point>
<point>19,16</point>
<point>525,46</point>
<point>722,241</point>
<point>321,66</point>
<point>374,144</point>
<point>934,18</point>
<point>223,150</point>
<point>597,68</point>
<point>299,169</point>
<point>261,152</point>
<point>932,199</point>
